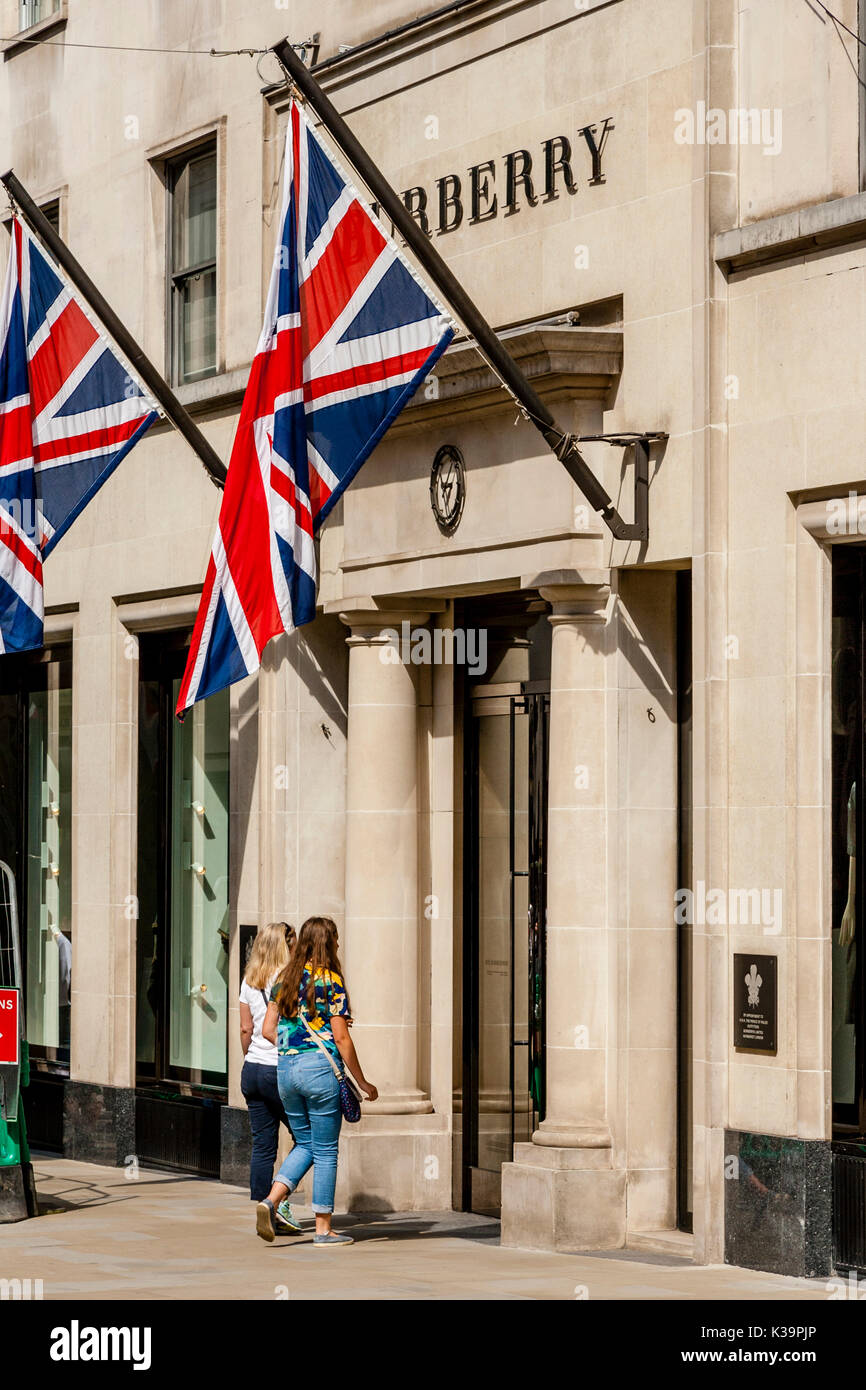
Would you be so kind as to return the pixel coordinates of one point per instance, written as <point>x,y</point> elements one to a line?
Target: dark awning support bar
<point>638,530</point>
<point>563,444</point>
<point>116,329</point>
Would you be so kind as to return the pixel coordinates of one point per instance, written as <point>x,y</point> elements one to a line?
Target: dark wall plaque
<point>247,937</point>
<point>755,1003</point>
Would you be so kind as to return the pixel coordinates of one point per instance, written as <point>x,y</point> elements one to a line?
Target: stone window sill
<point>213,392</point>
<point>32,37</point>
<point>839,222</point>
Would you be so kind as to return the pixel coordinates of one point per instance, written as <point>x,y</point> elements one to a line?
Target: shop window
<point>32,12</point>
<point>36,838</point>
<point>183,827</point>
<point>192,186</point>
<point>847,692</point>
<point>861,87</point>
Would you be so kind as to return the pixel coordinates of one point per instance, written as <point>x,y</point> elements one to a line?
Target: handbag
<point>350,1095</point>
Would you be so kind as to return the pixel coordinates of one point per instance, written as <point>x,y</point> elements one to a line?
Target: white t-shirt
<point>259,1050</point>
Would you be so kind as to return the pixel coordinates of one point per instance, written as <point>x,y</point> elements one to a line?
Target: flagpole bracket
<point>640,443</point>
<point>310,45</point>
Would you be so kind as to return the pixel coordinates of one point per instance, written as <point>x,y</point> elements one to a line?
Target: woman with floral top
<point>309,998</point>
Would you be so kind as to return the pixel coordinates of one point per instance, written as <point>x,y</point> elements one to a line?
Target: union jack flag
<point>349,334</point>
<point>70,410</point>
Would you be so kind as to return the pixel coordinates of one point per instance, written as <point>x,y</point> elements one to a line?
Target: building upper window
<point>192,184</point>
<point>51,211</point>
<point>32,12</point>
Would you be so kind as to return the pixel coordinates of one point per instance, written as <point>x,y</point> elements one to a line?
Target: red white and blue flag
<point>350,332</point>
<point>70,410</point>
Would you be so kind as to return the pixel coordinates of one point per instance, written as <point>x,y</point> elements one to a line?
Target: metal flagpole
<point>563,444</point>
<point>156,384</point>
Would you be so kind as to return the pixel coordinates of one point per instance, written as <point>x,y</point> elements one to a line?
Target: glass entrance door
<point>504,974</point>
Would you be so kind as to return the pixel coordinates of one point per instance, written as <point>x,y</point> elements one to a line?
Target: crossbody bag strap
<point>320,1045</point>
<point>345,1074</point>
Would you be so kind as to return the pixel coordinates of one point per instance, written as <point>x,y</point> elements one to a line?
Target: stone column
<point>382,891</point>
<point>561,1191</point>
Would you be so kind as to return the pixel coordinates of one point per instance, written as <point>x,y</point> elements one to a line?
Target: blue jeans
<point>259,1090</point>
<point>310,1094</point>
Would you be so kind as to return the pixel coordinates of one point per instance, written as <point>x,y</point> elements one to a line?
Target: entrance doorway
<point>505,818</point>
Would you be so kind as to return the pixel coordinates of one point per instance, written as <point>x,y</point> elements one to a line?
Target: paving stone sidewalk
<point>168,1236</point>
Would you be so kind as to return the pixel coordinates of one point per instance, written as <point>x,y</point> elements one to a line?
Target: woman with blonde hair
<point>268,958</point>
<point>308,1018</point>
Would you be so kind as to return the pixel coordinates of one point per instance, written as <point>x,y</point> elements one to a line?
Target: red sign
<point>9,1027</point>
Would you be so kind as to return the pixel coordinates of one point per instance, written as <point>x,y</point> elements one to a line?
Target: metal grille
<point>178,1134</point>
<point>849,1211</point>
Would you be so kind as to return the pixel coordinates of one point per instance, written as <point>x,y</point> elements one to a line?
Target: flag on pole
<point>70,410</point>
<point>21,605</point>
<point>350,332</point>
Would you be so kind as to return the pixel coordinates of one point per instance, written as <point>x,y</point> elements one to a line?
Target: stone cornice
<point>839,222</point>
<point>424,42</point>
<point>561,361</point>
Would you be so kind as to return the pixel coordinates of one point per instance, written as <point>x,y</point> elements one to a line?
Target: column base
<point>558,1136</point>
<point>779,1204</point>
<point>400,1103</point>
<point>98,1123</point>
<point>565,1198</point>
<point>236,1145</point>
<point>395,1163</point>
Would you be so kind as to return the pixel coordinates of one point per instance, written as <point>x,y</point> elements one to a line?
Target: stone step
<point>679,1243</point>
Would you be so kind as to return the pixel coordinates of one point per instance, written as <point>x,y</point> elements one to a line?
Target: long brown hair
<point>316,947</point>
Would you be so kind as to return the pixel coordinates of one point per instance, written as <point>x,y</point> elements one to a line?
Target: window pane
<point>198,969</point>
<point>31,11</point>
<point>48,866</point>
<point>847,757</point>
<point>197,305</point>
<point>52,212</point>
<point>195,213</point>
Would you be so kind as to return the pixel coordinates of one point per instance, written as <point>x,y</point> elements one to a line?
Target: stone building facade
<point>659,206</point>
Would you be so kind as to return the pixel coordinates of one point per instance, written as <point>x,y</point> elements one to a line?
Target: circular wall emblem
<point>447,488</point>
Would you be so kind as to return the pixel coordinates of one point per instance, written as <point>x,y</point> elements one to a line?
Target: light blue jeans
<point>310,1094</point>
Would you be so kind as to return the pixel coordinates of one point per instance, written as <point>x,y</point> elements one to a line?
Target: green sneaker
<point>285,1221</point>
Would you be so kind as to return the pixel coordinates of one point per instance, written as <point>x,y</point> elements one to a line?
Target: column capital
<point>575,595</point>
<point>368,618</point>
